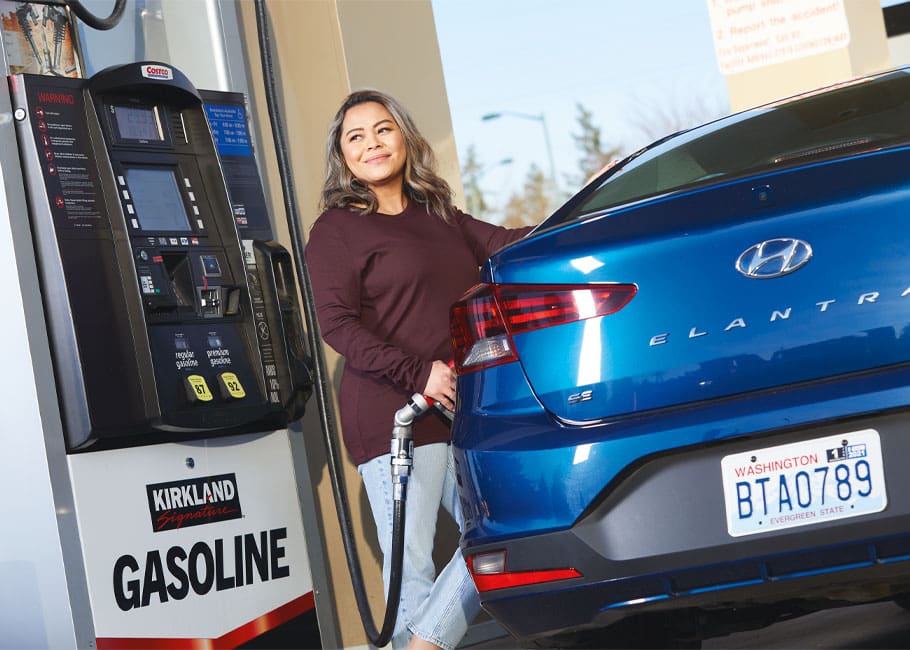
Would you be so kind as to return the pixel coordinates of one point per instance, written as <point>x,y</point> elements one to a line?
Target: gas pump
<point>129,208</point>
<point>164,347</point>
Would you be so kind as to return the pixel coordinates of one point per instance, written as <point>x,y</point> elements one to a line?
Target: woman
<point>387,258</point>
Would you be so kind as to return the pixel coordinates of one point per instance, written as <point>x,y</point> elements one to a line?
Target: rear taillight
<point>485,319</point>
<point>489,572</point>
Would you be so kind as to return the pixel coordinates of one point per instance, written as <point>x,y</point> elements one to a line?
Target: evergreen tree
<point>595,154</point>
<point>475,203</point>
<point>533,204</point>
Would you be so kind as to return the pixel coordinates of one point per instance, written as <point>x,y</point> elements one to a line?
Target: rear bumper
<point>658,540</point>
<point>840,575</point>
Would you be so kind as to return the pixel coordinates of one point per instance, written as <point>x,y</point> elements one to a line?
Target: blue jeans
<point>436,609</point>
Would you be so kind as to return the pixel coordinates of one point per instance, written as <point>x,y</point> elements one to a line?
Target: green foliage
<point>536,199</point>
<point>590,143</point>
<point>533,204</point>
<point>475,203</point>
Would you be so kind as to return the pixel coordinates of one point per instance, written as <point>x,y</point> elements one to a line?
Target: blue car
<point>684,399</point>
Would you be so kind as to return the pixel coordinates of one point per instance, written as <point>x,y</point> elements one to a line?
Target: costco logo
<point>193,502</point>
<point>157,72</point>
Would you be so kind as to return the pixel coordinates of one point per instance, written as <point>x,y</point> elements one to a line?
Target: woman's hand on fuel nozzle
<point>441,384</point>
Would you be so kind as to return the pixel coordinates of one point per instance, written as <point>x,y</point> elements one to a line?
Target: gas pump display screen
<point>156,198</point>
<point>134,123</point>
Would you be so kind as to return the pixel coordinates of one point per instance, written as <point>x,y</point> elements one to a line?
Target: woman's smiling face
<point>372,145</point>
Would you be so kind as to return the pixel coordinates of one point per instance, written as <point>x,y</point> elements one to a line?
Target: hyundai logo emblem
<point>773,258</point>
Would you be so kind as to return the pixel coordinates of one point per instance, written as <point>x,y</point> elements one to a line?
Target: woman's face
<point>373,145</point>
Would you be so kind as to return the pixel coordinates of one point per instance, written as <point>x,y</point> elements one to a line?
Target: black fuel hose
<point>92,20</point>
<point>321,388</point>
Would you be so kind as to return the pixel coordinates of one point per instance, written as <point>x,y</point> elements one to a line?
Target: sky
<point>623,60</point>
<point>626,61</point>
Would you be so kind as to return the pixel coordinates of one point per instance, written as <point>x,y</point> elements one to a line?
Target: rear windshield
<point>862,116</point>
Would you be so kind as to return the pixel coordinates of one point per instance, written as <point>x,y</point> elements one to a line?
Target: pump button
<point>196,389</point>
<point>231,388</point>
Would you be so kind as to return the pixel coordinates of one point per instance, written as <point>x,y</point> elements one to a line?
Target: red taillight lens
<point>479,335</point>
<point>484,320</point>
<point>488,571</point>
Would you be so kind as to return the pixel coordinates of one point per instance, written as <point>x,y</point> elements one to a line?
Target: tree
<point>533,204</point>
<point>475,203</point>
<point>595,154</point>
<point>535,201</point>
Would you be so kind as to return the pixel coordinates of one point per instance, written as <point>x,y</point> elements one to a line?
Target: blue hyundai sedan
<point>684,399</point>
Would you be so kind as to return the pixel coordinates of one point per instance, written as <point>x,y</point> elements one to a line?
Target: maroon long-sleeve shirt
<point>383,286</point>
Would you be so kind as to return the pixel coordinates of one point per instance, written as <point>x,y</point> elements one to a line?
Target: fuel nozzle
<point>403,442</point>
<point>416,406</point>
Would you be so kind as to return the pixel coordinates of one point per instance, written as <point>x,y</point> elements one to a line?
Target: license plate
<point>804,483</point>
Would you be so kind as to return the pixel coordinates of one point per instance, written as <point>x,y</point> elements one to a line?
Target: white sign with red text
<point>750,34</point>
<point>199,540</point>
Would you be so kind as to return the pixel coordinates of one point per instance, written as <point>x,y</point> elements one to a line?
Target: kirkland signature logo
<point>773,258</point>
<point>193,502</point>
<point>157,72</point>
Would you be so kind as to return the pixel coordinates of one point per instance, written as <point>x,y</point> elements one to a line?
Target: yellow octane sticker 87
<point>804,483</point>
<point>200,388</point>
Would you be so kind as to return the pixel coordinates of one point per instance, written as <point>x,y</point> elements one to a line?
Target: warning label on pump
<point>63,147</point>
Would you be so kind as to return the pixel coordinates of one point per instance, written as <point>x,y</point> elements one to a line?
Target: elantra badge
<point>773,258</point>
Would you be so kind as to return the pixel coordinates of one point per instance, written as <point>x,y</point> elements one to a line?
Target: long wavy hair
<point>342,189</point>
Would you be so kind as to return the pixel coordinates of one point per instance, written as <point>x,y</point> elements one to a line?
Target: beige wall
<point>324,49</point>
<point>409,67</point>
<point>866,52</point>
<point>899,49</point>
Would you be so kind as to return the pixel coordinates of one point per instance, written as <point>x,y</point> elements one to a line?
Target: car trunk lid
<point>699,328</point>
